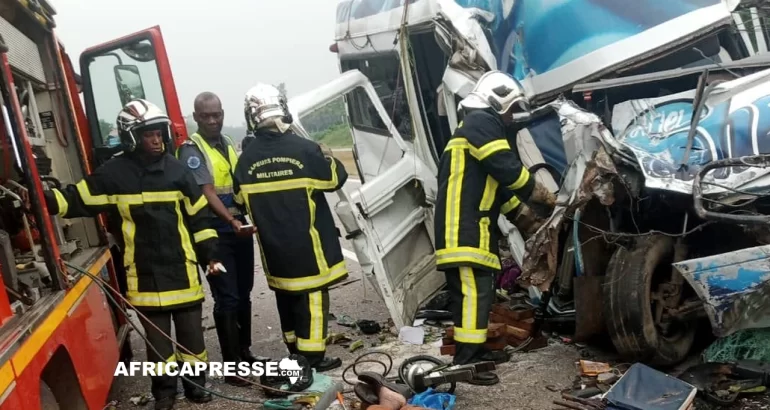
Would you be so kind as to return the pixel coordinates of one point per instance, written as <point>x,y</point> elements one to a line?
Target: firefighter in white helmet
<point>282,178</point>
<point>481,176</point>
<point>166,231</point>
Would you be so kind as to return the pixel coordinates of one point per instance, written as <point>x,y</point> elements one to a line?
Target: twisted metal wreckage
<point>633,119</point>
<point>714,169</point>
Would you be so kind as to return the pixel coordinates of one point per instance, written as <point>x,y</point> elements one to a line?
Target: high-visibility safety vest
<point>221,169</point>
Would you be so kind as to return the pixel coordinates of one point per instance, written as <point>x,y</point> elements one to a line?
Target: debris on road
<point>412,335</point>
<point>141,400</point>
<point>356,345</point>
<point>748,344</point>
<point>643,387</point>
<point>589,368</point>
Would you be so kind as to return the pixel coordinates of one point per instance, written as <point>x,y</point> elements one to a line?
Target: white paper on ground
<point>411,335</point>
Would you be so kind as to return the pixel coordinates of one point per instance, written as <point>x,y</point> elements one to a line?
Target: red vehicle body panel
<point>80,326</point>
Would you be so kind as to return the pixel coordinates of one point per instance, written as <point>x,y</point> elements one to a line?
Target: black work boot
<point>469,353</point>
<point>496,356</point>
<point>227,332</point>
<point>164,391</point>
<point>166,403</point>
<point>292,347</point>
<point>194,393</point>
<point>323,364</point>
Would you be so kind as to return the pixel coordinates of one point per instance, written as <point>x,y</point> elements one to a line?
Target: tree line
<point>327,125</point>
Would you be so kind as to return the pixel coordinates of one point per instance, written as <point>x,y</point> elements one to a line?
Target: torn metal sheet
<point>733,124</point>
<point>548,45</point>
<point>588,144</point>
<point>734,286</point>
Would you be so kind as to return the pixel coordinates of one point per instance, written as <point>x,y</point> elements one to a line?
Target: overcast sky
<point>223,46</point>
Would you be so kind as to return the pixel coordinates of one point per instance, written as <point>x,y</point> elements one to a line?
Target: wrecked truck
<point>624,251</point>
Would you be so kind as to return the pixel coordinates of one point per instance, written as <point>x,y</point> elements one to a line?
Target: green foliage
<point>338,136</point>
<point>326,125</point>
<point>329,125</point>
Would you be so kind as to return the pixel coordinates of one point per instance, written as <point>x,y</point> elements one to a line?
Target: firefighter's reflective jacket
<point>282,179</point>
<point>479,177</point>
<point>220,160</point>
<point>165,225</point>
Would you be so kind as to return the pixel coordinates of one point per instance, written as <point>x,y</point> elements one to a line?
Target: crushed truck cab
<point>406,65</point>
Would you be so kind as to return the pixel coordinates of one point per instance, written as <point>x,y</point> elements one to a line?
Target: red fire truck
<point>60,336</point>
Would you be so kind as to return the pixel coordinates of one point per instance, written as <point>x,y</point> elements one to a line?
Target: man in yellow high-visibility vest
<point>211,156</point>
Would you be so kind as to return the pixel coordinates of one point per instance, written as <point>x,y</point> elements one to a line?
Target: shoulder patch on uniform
<point>193,162</point>
<point>188,142</point>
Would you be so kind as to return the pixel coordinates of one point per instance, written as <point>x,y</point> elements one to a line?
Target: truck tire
<point>628,304</point>
<point>47,398</point>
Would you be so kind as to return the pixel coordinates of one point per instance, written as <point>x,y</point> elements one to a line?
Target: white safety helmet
<point>496,90</point>
<point>265,107</point>
<point>138,116</point>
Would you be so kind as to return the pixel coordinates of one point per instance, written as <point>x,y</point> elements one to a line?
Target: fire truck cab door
<point>114,73</point>
<point>389,217</point>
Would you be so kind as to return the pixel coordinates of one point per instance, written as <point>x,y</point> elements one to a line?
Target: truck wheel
<point>632,277</point>
<point>47,398</point>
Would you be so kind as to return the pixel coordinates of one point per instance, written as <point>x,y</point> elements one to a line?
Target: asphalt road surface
<point>524,379</point>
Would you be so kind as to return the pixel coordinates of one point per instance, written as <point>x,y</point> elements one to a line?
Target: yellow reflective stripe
<point>204,234</point>
<point>223,190</point>
<point>309,282</point>
<point>490,191</point>
<point>470,298</point>
<point>475,336</point>
<point>129,230</point>
<point>522,180</point>
<point>315,299</point>
<point>333,183</point>
<point>454,192</point>
<point>484,233</point>
<point>491,148</point>
<point>460,143</point>
<point>158,367</point>
<point>61,202</point>
<point>239,198</point>
<point>232,153</point>
<point>188,358</point>
<point>162,196</point>
<point>169,298</point>
<point>126,199</point>
<point>88,199</point>
<point>132,280</point>
<point>299,183</point>
<point>316,342</point>
<point>315,238</point>
<point>509,206</point>
<point>467,254</point>
<point>184,234</point>
<point>290,337</point>
<point>307,345</point>
<point>197,207</point>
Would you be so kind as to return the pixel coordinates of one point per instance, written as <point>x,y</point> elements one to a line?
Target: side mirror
<point>142,51</point>
<point>129,83</point>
